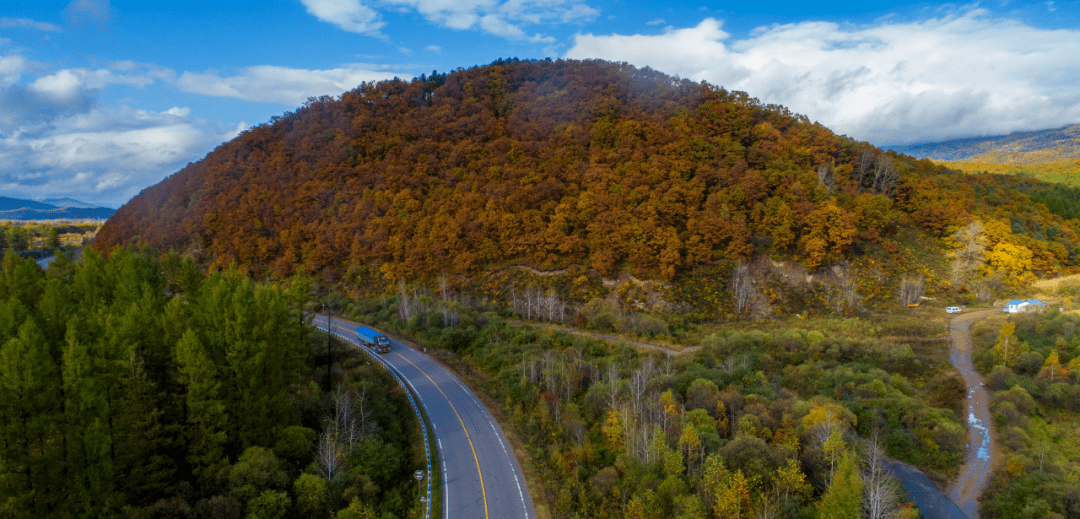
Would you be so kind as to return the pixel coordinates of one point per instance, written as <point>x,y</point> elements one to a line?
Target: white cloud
<point>504,19</point>
<point>272,84</point>
<point>895,82</point>
<point>11,69</point>
<point>655,21</point>
<point>26,23</point>
<point>350,15</point>
<point>177,111</point>
<point>433,48</point>
<point>88,13</point>
<point>63,85</point>
<point>105,156</point>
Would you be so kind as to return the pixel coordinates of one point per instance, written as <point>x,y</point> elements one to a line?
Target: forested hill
<point>551,163</point>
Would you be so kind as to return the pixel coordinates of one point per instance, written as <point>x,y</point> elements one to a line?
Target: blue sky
<point>100,99</point>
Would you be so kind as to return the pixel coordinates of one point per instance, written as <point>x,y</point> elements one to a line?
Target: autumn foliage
<point>544,163</point>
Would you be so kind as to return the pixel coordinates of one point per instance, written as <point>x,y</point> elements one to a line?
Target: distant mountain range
<point>52,209</point>
<point>1020,148</point>
<point>69,202</point>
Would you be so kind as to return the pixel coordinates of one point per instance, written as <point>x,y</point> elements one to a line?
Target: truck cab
<point>382,344</point>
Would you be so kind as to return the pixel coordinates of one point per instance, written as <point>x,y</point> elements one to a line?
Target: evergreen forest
<point>138,386</point>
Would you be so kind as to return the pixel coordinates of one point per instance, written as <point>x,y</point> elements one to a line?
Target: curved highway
<point>481,478</point>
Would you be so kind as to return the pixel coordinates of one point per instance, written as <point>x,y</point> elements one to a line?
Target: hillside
<point>1019,148</point>
<point>1049,155</point>
<point>550,164</point>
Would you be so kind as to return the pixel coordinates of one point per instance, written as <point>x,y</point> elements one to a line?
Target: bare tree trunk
<point>639,384</point>
<point>826,177</point>
<point>613,386</point>
<point>538,305</point>
<point>741,287</point>
<point>970,252</point>
<point>911,289</point>
<point>328,455</point>
<point>863,172</point>
<point>551,303</point>
<point>880,492</point>
<point>886,177</point>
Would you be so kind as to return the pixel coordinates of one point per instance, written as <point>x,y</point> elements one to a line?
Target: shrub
<point>1001,378</point>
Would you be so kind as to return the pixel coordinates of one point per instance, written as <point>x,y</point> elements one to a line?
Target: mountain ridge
<point>556,163</point>
<point>20,209</point>
<point>1025,147</point>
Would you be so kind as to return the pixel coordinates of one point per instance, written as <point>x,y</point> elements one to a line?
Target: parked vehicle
<point>952,310</point>
<point>378,342</point>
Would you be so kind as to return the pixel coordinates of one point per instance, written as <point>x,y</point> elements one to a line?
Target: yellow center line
<point>483,491</point>
<point>462,422</point>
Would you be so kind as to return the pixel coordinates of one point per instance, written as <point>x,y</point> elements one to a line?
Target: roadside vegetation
<point>138,386</point>
<point>778,418</point>
<point>1031,362</point>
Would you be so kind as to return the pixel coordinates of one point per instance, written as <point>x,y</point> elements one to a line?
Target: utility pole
<point>329,352</point>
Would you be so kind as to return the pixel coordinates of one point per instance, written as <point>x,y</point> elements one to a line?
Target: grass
<point>1062,172</point>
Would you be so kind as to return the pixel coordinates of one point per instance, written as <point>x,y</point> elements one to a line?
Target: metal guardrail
<point>409,391</point>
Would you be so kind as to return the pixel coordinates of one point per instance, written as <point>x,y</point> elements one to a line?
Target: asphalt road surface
<point>481,477</point>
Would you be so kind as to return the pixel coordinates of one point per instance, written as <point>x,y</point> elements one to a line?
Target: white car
<point>952,310</point>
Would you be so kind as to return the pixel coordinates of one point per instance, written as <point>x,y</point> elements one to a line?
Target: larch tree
<point>844,497</point>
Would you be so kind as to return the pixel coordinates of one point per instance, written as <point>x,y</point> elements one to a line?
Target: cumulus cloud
<point>350,15</point>
<point>963,74</point>
<point>105,156</point>
<point>26,23</point>
<point>56,140</point>
<point>30,109</point>
<point>11,69</point>
<point>283,85</point>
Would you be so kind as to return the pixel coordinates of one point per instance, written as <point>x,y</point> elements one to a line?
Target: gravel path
<point>983,452</point>
<point>960,500</point>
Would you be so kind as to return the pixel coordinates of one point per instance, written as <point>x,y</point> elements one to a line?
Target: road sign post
<point>419,475</point>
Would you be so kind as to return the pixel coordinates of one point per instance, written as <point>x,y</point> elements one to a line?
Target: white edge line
<point>400,377</point>
<point>513,469</point>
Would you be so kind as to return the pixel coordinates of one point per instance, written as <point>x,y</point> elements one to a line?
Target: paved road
<point>932,503</point>
<point>481,478</point>
<point>982,451</point>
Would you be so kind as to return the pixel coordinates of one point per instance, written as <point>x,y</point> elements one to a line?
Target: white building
<point>1017,306</point>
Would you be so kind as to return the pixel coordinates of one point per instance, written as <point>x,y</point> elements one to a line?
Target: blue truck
<point>378,342</point>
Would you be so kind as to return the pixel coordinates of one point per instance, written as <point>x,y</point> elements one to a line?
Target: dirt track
<point>983,452</point>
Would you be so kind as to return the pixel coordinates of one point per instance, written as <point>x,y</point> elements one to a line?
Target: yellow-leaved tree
<point>1052,366</point>
<point>1008,347</point>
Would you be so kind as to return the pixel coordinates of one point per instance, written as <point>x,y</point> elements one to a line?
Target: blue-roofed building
<point>1018,306</point>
